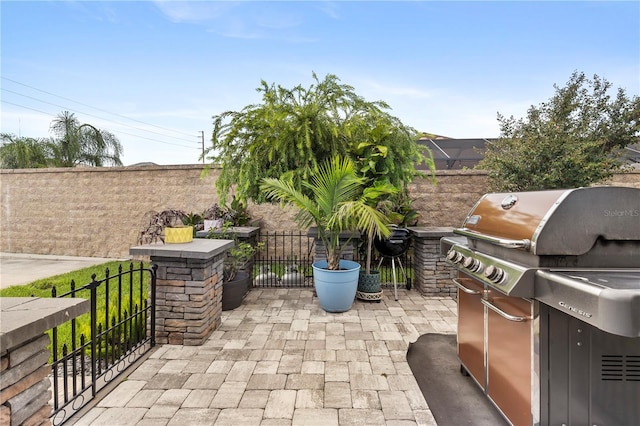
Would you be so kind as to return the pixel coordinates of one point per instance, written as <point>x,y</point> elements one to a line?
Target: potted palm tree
<point>369,287</point>
<point>335,204</point>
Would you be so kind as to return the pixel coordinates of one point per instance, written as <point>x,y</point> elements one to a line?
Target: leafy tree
<point>74,144</point>
<point>292,131</point>
<point>82,144</point>
<point>22,152</point>
<point>572,140</point>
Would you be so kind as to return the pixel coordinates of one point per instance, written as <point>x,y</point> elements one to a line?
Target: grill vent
<point>620,368</point>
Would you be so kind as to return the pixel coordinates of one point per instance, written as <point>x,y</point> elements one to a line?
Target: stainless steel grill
<point>549,304</point>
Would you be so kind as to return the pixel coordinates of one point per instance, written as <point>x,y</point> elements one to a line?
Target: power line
<point>91,115</point>
<point>96,108</point>
<point>26,107</point>
<point>125,133</point>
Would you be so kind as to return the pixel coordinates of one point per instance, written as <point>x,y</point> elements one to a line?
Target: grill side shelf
<point>613,310</point>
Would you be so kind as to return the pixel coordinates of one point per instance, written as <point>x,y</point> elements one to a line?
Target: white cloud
<point>330,9</point>
<point>240,20</point>
<point>193,12</point>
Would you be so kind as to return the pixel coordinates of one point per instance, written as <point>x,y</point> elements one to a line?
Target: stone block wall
<point>95,212</point>
<point>447,203</point>
<point>98,211</point>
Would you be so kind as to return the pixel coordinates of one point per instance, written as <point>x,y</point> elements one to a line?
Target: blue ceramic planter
<point>336,290</point>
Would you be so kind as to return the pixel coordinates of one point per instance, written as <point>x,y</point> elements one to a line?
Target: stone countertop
<point>313,232</point>
<point>197,249</point>
<point>23,318</point>
<point>239,231</point>
<point>430,231</point>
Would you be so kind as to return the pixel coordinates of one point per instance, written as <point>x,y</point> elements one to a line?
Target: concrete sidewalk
<point>19,269</point>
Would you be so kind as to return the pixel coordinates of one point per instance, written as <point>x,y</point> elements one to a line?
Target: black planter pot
<point>234,291</point>
<point>369,286</point>
<point>369,283</point>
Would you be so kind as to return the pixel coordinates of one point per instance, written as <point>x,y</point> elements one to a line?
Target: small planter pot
<point>215,224</point>
<point>369,283</point>
<point>178,235</point>
<point>234,291</point>
<point>369,286</point>
<point>336,290</point>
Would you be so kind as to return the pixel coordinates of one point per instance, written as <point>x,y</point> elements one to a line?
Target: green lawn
<point>120,297</point>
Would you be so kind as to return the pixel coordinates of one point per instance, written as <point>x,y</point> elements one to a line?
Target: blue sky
<point>155,72</point>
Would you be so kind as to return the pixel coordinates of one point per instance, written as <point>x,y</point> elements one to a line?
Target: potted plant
<point>237,271</point>
<point>218,216</point>
<point>169,226</point>
<point>194,220</point>
<point>335,204</point>
<point>369,286</point>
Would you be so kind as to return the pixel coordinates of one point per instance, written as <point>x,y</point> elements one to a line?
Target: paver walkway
<point>279,359</point>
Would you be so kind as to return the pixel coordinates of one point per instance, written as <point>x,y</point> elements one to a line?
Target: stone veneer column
<point>188,289</point>
<point>432,276</point>
<point>25,389</point>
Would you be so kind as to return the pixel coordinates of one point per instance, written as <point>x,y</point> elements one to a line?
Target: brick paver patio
<point>279,359</point>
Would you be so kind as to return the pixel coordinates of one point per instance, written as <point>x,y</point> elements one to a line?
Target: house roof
<point>456,154</point>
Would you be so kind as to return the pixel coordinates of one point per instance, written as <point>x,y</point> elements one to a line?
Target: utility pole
<point>202,137</point>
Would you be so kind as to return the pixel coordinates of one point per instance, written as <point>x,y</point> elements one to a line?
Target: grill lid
<point>557,222</point>
<point>396,245</point>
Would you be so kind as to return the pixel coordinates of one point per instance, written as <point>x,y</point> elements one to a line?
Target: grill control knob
<point>472,264</point>
<point>455,256</point>
<point>494,274</point>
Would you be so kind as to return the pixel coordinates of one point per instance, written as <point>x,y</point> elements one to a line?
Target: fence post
<point>25,387</point>
<point>154,274</point>
<point>93,288</point>
<point>188,289</point>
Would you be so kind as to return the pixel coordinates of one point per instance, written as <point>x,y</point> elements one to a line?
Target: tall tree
<point>22,152</point>
<point>82,144</point>
<point>74,144</point>
<point>572,140</point>
<point>294,130</point>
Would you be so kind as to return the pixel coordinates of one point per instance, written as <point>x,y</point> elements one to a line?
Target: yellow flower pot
<point>178,235</point>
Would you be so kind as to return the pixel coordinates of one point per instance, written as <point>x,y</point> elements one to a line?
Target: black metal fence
<point>284,261</point>
<point>286,258</point>
<point>90,351</point>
